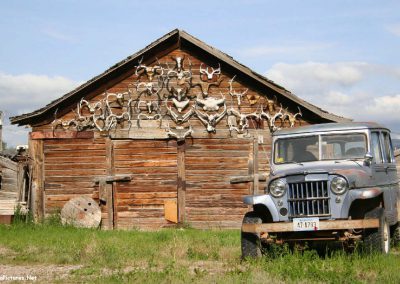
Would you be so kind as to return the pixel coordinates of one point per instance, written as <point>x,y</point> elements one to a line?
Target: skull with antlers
<point>179,71</point>
<point>239,122</point>
<point>205,73</point>
<point>234,94</point>
<point>150,71</point>
<point>291,117</point>
<point>179,118</point>
<point>271,118</point>
<point>180,133</point>
<point>210,120</point>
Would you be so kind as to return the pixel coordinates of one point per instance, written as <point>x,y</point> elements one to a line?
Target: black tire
<point>251,244</point>
<point>377,240</point>
<point>395,234</point>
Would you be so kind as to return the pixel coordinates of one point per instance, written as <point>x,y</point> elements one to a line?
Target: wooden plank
<point>181,182</point>
<point>8,164</point>
<point>61,135</point>
<point>255,166</point>
<point>241,179</point>
<point>323,226</point>
<point>110,189</point>
<point>110,206</point>
<point>170,210</point>
<point>38,197</point>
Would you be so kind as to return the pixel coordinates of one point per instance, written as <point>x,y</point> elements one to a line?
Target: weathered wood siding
<point>153,167</point>
<point>211,200</point>
<point>8,170</point>
<point>9,188</point>
<point>70,168</point>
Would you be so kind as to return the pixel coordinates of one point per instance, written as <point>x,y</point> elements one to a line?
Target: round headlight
<point>339,185</point>
<point>277,188</point>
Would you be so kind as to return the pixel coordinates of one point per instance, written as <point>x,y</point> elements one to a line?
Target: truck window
<point>387,143</point>
<point>343,146</point>
<point>376,148</point>
<point>296,149</point>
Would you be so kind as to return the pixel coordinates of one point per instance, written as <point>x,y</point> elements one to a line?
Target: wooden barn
<point>157,138</point>
<point>14,186</point>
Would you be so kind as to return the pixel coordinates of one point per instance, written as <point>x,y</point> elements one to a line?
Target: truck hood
<point>355,172</point>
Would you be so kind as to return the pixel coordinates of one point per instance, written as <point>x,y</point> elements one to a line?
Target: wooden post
<point>181,182</point>
<point>255,166</point>
<point>111,187</point>
<point>38,196</point>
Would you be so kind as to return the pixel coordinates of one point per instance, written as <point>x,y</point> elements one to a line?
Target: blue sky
<point>335,54</point>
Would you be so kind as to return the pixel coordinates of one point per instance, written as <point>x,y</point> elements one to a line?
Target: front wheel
<point>377,240</point>
<point>395,234</point>
<point>251,243</point>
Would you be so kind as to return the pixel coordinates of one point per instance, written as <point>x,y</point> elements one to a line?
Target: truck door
<point>391,172</point>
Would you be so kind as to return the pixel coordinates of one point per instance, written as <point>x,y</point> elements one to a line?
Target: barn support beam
<point>38,195</point>
<point>181,182</point>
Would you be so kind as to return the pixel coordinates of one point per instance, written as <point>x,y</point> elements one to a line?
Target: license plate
<point>305,224</point>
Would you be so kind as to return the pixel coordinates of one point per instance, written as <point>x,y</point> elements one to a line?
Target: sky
<point>342,56</point>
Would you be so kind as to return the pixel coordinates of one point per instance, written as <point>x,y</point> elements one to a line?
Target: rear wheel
<point>377,240</point>
<point>251,243</point>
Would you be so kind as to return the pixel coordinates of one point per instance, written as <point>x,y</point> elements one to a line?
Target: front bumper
<point>324,225</point>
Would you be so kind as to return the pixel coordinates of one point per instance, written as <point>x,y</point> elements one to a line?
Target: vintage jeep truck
<point>334,182</point>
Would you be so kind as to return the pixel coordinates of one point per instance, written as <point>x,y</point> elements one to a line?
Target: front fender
<point>265,200</point>
<point>362,193</point>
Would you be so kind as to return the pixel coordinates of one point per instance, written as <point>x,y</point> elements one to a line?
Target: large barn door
<point>211,200</point>
<point>146,199</point>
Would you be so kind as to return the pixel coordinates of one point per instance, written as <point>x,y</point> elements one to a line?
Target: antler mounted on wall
<point>203,107</point>
<point>179,133</point>
<point>176,86</point>
<point>235,94</point>
<point>149,71</point>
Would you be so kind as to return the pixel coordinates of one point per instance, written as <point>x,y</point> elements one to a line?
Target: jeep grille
<point>309,199</point>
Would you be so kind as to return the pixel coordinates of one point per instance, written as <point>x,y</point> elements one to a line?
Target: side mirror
<point>368,159</point>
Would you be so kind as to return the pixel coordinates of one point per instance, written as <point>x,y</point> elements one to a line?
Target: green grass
<point>180,256</point>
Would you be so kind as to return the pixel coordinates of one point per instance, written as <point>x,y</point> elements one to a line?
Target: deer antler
<point>208,73</point>
<point>233,93</point>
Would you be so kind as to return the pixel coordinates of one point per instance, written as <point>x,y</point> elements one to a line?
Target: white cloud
<point>358,90</point>
<point>58,35</point>
<point>291,48</point>
<point>24,93</point>
<point>315,76</point>
<point>394,29</point>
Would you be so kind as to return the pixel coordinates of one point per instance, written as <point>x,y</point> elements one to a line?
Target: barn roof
<point>178,39</point>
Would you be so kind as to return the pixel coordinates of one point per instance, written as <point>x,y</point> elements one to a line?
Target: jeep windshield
<point>320,147</point>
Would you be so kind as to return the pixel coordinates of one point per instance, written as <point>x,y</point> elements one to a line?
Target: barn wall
<point>153,167</point>
<point>70,169</point>
<point>145,152</point>
<point>8,171</point>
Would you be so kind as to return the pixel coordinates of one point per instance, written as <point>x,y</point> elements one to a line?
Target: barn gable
<point>176,39</point>
<point>157,138</point>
